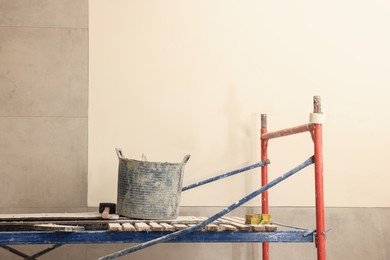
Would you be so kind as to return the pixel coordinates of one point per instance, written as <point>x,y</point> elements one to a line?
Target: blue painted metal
<point>228,174</point>
<point>186,231</point>
<point>105,237</point>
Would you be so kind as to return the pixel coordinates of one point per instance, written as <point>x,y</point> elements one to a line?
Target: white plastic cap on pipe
<point>317,118</point>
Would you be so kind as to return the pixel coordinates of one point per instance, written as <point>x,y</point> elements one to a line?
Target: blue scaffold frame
<point>188,235</point>
<point>106,237</point>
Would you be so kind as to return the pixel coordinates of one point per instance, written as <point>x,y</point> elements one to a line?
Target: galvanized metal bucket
<point>149,190</point>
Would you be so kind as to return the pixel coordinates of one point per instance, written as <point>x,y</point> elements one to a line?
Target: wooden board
<point>155,226</point>
<point>239,225</point>
<point>257,227</point>
<point>114,227</point>
<point>167,227</point>
<point>212,227</point>
<point>127,227</point>
<point>227,227</point>
<point>270,227</point>
<point>56,216</point>
<point>180,226</point>
<point>142,226</point>
<point>253,227</point>
<point>58,228</point>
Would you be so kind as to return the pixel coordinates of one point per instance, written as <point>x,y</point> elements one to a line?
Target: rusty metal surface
<point>263,120</point>
<point>317,104</point>
<point>288,131</point>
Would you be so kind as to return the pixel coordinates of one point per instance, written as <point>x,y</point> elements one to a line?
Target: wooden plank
<point>185,219</point>
<point>114,227</point>
<point>239,219</point>
<point>127,227</point>
<point>54,227</point>
<point>167,227</point>
<point>257,227</point>
<point>199,229</point>
<point>155,227</point>
<point>27,225</point>
<point>179,226</point>
<point>241,227</point>
<point>270,227</point>
<point>142,226</point>
<point>235,220</point>
<point>227,227</point>
<point>253,227</point>
<point>215,226</point>
<point>237,224</point>
<point>100,224</point>
<point>59,216</point>
<point>212,227</point>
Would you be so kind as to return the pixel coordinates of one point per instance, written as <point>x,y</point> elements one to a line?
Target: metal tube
<point>14,251</point>
<point>264,178</point>
<point>288,131</point>
<point>45,251</point>
<point>212,218</point>
<point>225,175</point>
<point>319,185</point>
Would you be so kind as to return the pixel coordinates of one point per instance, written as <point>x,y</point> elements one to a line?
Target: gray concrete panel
<point>44,13</point>
<point>43,72</point>
<point>43,162</point>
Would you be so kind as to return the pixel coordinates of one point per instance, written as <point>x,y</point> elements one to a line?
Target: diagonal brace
<point>228,174</point>
<point>32,257</point>
<point>15,251</point>
<point>45,251</point>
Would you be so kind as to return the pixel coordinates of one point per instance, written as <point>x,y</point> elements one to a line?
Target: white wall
<point>169,78</point>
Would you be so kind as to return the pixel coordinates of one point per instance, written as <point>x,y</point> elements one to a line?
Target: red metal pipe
<point>319,185</point>
<point>264,178</point>
<point>316,134</point>
<point>288,131</point>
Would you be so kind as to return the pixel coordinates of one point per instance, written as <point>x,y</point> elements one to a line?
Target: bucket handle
<point>119,153</point>
<point>185,159</point>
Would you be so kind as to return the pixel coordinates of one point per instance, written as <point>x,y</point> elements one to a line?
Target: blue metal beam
<point>225,175</point>
<point>105,237</point>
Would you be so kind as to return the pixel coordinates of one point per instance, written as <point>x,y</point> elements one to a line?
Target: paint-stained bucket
<point>149,190</point>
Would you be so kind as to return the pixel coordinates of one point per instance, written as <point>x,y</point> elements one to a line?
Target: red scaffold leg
<point>264,179</point>
<point>319,184</point>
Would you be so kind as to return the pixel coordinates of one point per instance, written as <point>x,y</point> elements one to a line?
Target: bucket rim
<point>122,157</point>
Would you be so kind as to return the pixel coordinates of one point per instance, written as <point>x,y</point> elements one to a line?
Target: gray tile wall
<point>44,111</point>
<point>43,105</point>
<point>43,145</point>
